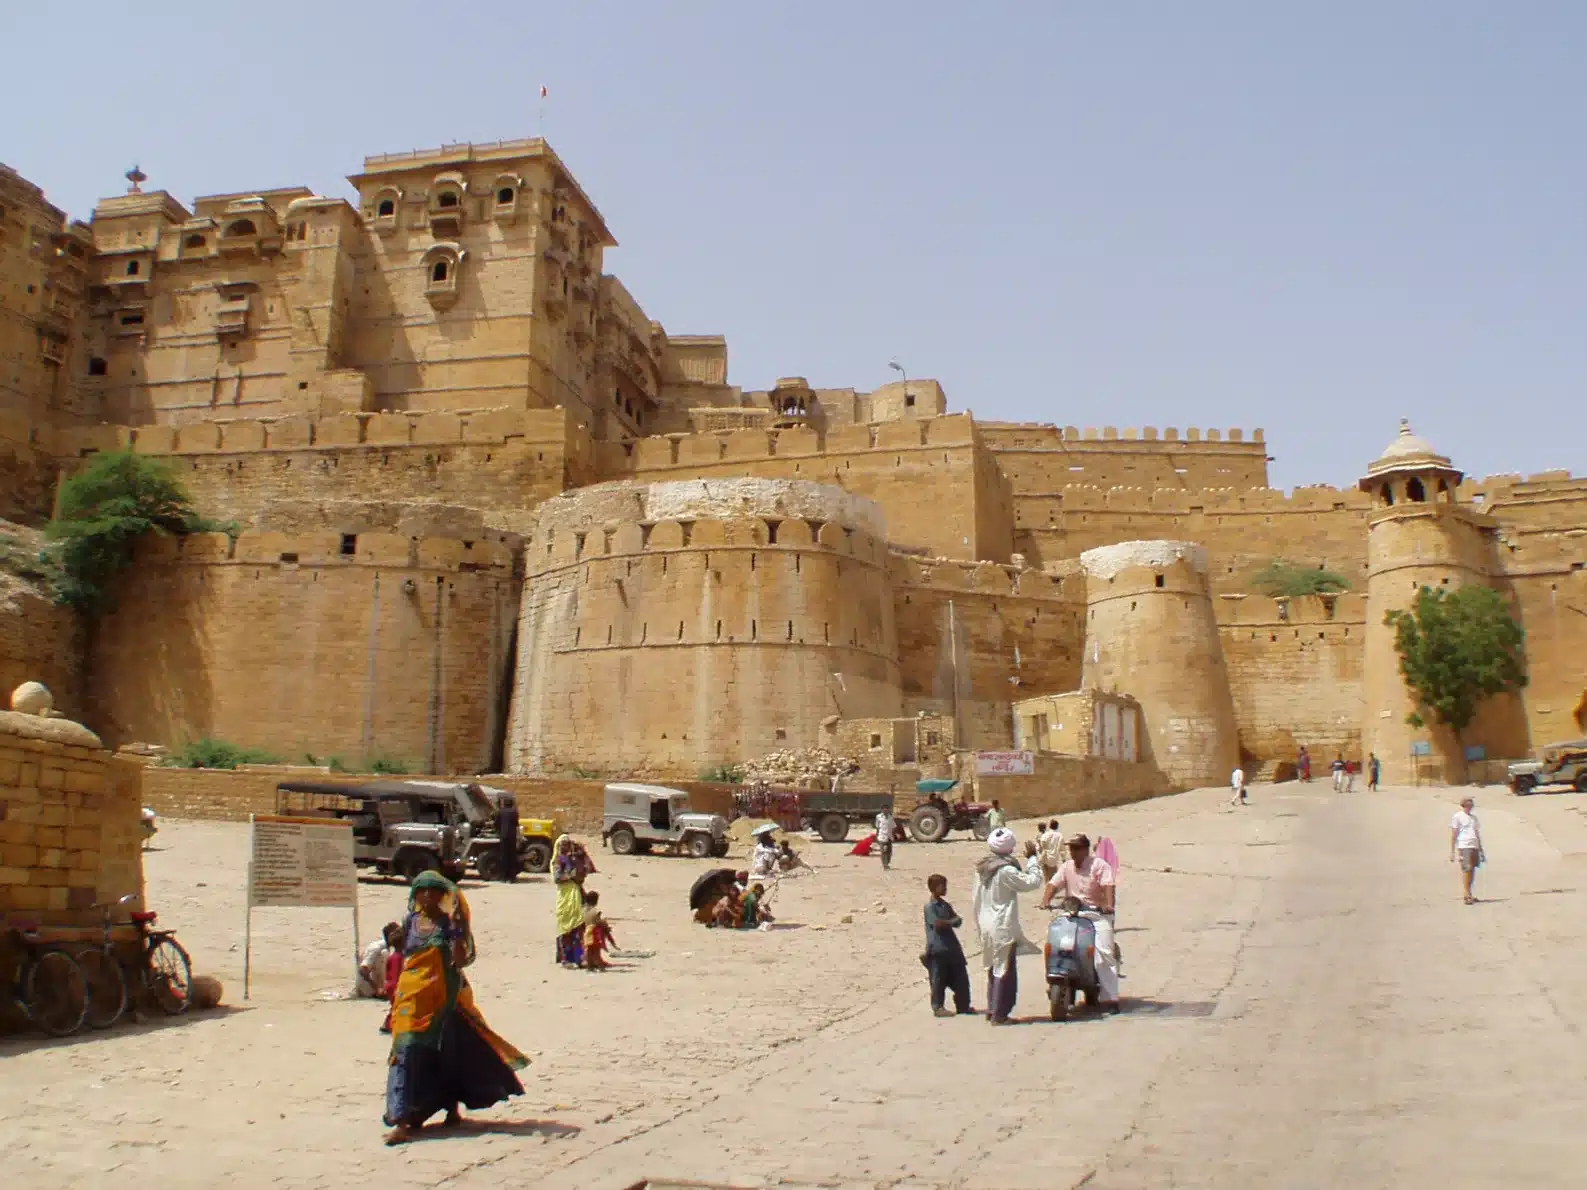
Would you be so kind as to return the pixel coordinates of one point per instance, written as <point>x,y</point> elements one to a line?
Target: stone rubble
<point>797,766</point>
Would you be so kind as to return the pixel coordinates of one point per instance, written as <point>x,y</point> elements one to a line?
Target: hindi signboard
<point>1005,764</point>
<point>299,863</point>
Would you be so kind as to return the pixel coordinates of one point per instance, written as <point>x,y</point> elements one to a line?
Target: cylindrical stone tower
<point>669,628</point>
<point>1150,632</point>
<point>1417,535</point>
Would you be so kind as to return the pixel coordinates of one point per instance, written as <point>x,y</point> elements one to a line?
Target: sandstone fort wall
<point>1040,458</point>
<point>667,646</point>
<point>27,472</point>
<point>322,644</point>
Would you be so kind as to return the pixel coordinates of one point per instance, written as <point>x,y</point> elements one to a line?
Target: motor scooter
<point>1071,959</point>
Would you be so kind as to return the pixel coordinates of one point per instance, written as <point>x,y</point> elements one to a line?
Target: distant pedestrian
<point>1374,769</point>
<point>1465,845</point>
<point>1303,764</point>
<point>944,956</point>
<point>1050,850</point>
<point>507,834</point>
<point>884,839</point>
<point>995,818</point>
<point>1350,776</point>
<point>1237,788</point>
<point>1338,768</point>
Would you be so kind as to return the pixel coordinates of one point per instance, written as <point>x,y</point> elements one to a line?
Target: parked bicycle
<point>164,972</point>
<point>47,986</point>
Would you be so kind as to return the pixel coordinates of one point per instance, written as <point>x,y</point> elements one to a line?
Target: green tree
<point>1457,649</point>
<point>1282,578</point>
<point>104,510</point>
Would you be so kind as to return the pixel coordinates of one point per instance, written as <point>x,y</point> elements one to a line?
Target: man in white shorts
<point>1465,845</point>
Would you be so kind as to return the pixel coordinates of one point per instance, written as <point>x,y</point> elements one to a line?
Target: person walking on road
<point>1374,768</point>
<point>1338,768</point>
<point>995,818</point>
<point>1237,787</point>
<point>999,881</point>
<point>884,839</point>
<point>1303,764</point>
<point>1465,845</point>
<point>1050,850</point>
<point>944,956</point>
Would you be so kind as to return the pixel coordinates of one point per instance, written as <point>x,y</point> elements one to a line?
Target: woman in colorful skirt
<point>443,1054</point>
<point>569,866</point>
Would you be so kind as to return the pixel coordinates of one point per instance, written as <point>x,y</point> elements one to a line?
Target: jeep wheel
<point>1581,783</point>
<point>621,840</point>
<point>834,828</point>
<point>488,864</point>
<point>1524,785</point>
<point>719,848</point>
<point>412,862</point>
<point>928,825</point>
<point>698,846</point>
<point>454,871</point>
<point>536,857</point>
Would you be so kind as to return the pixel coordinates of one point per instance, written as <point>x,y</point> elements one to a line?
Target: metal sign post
<point>298,863</point>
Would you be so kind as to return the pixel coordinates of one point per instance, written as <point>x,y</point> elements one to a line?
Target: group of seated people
<point>742,906</point>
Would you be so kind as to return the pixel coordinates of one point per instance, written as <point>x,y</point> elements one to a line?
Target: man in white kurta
<point>999,881</point>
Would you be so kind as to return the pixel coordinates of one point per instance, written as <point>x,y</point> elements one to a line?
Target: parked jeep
<point>1557,764</point>
<point>401,828</point>
<point>536,836</point>
<point>641,817</point>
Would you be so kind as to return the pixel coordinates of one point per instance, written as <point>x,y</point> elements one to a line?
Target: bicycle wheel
<point>55,993</point>
<point>168,975</point>
<point>107,988</point>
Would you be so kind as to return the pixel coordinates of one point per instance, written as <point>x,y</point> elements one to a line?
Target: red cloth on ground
<point>863,847</point>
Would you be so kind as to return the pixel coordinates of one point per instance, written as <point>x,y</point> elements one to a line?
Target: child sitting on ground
<point>597,934</point>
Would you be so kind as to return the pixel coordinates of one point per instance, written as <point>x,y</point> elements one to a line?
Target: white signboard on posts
<point>1005,764</point>
<point>299,863</point>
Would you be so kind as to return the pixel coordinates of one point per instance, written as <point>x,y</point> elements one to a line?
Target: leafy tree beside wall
<point>1282,578</point>
<point>1457,649</point>
<point>102,512</point>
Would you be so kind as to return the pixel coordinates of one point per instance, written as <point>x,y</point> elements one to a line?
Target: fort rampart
<point>324,644</point>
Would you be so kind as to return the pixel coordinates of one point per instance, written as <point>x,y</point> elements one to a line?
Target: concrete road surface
<point>1308,1005</point>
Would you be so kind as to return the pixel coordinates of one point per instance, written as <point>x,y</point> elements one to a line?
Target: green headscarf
<point>430,879</point>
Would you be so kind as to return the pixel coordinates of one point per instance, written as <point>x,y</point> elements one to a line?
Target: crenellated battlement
<point>553,548</point>
<point>336,432</point>
<point>982,578</point>
<point>491,552</point>
<point>1255,609</point>
<point>1122,498</point>
<point>1005,435</point>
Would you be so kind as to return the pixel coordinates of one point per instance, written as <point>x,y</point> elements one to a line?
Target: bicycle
<point>48,986</point>
<point>165,971</point>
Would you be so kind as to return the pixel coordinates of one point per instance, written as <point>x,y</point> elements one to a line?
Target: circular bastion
<point>1151,633</point>
<point>669,628</point>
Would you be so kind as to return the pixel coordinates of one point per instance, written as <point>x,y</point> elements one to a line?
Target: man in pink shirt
<point>1091,882</point>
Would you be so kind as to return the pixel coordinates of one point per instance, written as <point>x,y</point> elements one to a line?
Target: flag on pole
<point>544,92</point>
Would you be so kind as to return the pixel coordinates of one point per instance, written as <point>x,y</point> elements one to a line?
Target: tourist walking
<point>1374,769</point>
<point>995,818</point>
<point>443,1054</point>
<point>1303,764</point>
<point>1465,845</point>
<point>884,838</point>
<point>999,881</point>
<point>569,867</point>
<point>1338,768</point>
<point>944,957</point>
<point>1350,776</point>
<point>1236,788</point>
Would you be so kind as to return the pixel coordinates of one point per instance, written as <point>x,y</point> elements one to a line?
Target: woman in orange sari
<point>442,1052</point>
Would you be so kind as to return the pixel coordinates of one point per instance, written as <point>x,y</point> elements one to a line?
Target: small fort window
<point>349,544</point>
<point>1158,581</point>
<point>132,268</point>
<point>1388,493</point>
<point>96,366</point>
<point>1415,492</point>
<point>438,271</point>
<point>243,227</point>
<point>504,196</point>
<point>387,208</point>
<point>447,198</point>
<point>194,242</point>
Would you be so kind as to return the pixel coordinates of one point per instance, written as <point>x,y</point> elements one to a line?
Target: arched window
<point>242,227</point>
<point>1414,491</point>
<point>387,208</point>
<point>194,243</point>
<point>447,198</point>
<point>504,196</point>
<point>132,268</point>
<point>438,271</point>
<point>1388,493</point>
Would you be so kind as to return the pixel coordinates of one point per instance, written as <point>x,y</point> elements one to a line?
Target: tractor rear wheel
<point>928,825</point>
<point>834,828</point>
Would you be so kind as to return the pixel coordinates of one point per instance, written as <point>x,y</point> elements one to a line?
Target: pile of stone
<point>803,767</point>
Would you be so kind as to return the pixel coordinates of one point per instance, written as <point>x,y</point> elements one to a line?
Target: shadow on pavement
<point>478,1127</point>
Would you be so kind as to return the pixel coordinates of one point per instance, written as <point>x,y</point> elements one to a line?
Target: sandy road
<point>1308,1005</point>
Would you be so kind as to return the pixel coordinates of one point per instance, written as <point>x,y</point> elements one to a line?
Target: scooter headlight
<point>1066,945</point>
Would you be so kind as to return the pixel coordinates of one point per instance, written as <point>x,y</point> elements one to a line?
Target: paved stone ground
<point>1308,1005</point>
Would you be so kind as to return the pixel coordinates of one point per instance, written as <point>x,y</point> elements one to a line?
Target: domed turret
<point>1410,471</point>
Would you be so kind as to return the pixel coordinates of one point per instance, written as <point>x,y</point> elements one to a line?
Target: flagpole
<point>543,93</point>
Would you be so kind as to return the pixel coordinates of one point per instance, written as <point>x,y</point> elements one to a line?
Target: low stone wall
<point>70,835</point>
<point>231,795</point>
<point>1068,784</point>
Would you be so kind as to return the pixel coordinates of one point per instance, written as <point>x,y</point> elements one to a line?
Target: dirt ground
<point>1307,1004</point>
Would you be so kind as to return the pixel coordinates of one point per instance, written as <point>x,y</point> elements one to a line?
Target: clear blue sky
<point>1312,218</point>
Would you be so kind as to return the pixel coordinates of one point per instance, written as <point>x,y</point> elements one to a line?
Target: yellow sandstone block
<point>26,896</point>
<point>19,855</point>
<point>84,782</point>
<point>13,876</point>
<point>52,777</point>
<point>81,837</point>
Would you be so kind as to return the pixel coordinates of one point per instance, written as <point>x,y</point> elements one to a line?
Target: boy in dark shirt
<point>944,956</point>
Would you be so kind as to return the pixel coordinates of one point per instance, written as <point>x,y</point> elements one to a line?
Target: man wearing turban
<point>999,881</point>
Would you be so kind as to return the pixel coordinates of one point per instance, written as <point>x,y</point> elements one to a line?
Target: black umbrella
<point>710,887</point>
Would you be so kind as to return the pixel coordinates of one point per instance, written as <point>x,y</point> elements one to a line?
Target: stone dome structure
<point>1409,451</point>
